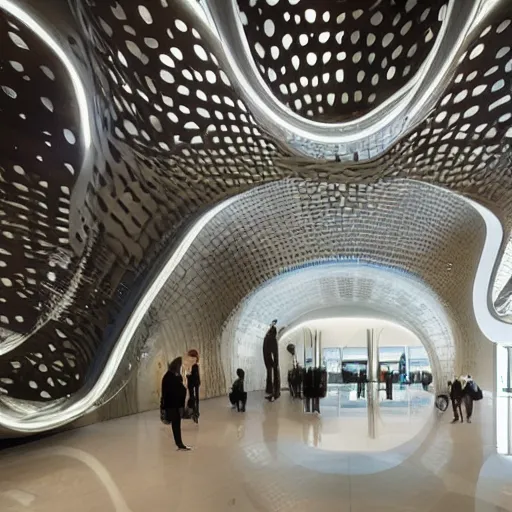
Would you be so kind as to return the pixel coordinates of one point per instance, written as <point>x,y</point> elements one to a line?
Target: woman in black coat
<point>174,394</point>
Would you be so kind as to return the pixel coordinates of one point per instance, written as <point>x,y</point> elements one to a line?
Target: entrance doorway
<point>399,402</point>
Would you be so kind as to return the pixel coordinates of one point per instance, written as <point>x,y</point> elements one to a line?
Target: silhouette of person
<point>271,359</point>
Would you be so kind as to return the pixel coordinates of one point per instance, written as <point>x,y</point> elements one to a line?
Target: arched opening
<point>405,389</point>
<point>339,302</point>
<point>339,290</point>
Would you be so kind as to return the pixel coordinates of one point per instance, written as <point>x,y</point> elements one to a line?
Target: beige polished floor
<point>273,458</point>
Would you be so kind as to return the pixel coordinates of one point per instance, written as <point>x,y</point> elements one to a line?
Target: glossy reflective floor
<point>272,458</point>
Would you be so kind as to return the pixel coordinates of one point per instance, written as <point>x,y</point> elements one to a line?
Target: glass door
<point>332,361</point>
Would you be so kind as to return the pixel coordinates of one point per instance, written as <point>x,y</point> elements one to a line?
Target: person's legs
<point>191,403</point>
<point>267,357</point>
<point>455,407</point>
<point>468,404</point>
<point>243,400</point>
<point>236,400</point>
<point>276,391</point>
<point>196,399</point>
<point>176,427</point>
<point>296,384</point>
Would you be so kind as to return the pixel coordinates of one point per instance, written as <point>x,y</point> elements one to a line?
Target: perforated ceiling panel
<point>125,120</point>
<point>331,61</point>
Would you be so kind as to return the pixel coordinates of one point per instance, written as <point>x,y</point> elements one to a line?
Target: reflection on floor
<point>273,458</point>
<point>344,396</point>
<point>344,424</point>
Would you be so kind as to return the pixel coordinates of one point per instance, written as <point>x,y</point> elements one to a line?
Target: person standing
<point>389,385</point>
<point>238,395</point>
<point>426,380</point>
<point>361,384</point>
<point>469,392</point>
<point>271,360</point>
<point>193,383</point>
<point>174,394</point>
<point>456,394</point>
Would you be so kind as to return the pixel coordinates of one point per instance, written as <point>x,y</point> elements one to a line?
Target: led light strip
<point>36,422</point>
<point>17,12</point>
<point>27,19</point>
<point>362,319</point>
<point>503,403</point>
<point>414,104</point>
<point>494,329</point>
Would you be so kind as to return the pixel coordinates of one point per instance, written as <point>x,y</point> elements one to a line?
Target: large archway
<point>351,290</point>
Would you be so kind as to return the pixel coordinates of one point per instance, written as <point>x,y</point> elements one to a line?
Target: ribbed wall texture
<point>383,225</point>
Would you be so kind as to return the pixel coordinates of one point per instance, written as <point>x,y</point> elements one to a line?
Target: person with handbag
<point>174,394</point>
<point>472,393</point>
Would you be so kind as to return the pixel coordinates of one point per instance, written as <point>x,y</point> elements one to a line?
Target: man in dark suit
<point>456,395</point>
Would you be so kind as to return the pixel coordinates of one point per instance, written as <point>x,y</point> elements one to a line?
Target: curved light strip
<point>17,339</point>
<point>214,8</point>
<point>31,423</point>
<point>277,114</point>
<point>16,11</point>
<point>58,417</point>
<point>494,329</point>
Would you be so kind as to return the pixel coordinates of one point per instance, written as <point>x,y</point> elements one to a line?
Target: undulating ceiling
<point>125,122</point>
